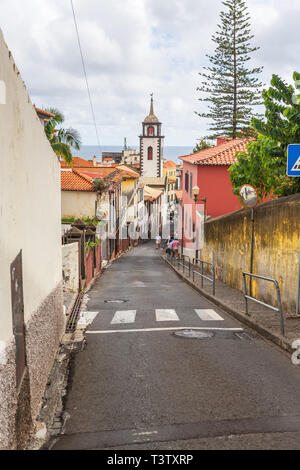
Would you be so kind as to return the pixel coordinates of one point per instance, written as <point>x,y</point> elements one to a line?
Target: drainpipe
<point>298,284</point>
<point>182,228</point>
<point>251,249</point>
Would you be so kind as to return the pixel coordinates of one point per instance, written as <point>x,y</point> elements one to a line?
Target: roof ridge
<point>236,144</point>
<point>220,154</point>
<point>87,178</point>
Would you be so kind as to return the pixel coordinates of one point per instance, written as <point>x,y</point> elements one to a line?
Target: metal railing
<point>185,262</point>
<point>248,297</point>
<point>202,275</point>
<point>181,262</point>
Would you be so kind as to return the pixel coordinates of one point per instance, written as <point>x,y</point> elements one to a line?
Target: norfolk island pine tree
<point>233,89</point>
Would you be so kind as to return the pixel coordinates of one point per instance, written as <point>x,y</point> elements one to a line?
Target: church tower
<point>151,146</point>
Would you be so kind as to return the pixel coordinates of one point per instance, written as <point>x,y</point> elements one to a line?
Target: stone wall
<point>276,247</point>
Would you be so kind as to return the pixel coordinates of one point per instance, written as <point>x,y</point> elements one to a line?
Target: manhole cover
<point>115,301</point>
<point>194,334</point>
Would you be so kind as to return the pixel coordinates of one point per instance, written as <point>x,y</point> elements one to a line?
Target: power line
<point>85,74</point>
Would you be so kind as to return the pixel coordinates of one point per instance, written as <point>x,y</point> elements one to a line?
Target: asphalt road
<point>137,385</point>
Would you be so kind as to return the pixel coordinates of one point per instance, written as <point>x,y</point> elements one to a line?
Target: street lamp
<point>196,191</point>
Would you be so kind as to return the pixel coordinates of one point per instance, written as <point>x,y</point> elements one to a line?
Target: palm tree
<point>61,140</point>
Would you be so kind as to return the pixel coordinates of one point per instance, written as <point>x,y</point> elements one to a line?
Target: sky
<point>133,48</point>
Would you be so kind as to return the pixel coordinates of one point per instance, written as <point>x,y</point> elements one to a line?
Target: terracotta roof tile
<point>130,171</point>
<point>93,175</point>
<point>44,113</point>
<point>72,180</point>
<point>170,164</point>
<point>223,154</point>
<point>78,163</point>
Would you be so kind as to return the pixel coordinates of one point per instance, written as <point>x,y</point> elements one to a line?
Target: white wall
<point>150,166</point>
<point>78,204</point>
<point>30,211</point>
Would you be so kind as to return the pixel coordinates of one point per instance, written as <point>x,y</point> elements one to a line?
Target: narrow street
<point>137,385</point>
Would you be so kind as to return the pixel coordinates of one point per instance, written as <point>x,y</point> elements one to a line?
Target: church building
<point>151,146</point>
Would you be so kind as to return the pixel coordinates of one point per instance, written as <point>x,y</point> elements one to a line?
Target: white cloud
<point>133,48</point>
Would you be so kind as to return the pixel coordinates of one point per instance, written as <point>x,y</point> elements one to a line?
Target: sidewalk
<point>264,321</point>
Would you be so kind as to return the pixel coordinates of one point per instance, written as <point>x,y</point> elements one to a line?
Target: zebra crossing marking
<point>166,314</point>
<point>124,316</point>
<point>208,315</point>
<point>146,330</point>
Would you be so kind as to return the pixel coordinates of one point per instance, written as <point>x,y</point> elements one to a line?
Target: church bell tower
<point>151,146</point>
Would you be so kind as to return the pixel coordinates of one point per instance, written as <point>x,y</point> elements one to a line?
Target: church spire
<point>151,117</point>
<point>151,106</point>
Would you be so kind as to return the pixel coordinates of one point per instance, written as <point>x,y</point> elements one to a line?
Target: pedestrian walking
<point>158,241</point>
<point>175,247</point>
<point>169,245</point>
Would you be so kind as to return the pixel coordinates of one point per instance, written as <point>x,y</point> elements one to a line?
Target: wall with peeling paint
<point>276,246</point>
<point>70,267</point>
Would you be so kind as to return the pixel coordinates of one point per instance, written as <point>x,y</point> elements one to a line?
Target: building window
<point>150,153</point>
<point>187,182</point>
<point>191,185</point>
<point>150,131</point>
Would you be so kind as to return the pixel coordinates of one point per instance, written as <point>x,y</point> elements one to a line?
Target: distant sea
<point>88,151</point>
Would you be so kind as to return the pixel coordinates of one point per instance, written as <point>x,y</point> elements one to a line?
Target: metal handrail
<point>202,261</point>
<point>182,258</point>
<point>248,297</point>
<point>211,279</point>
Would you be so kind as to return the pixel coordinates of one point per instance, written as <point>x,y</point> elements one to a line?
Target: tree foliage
<point>61,140</point>
<point>255,167</point>
<point>264,166</point>
<point>100,184</point>
<point>202,145</point>
<point>232,88</point>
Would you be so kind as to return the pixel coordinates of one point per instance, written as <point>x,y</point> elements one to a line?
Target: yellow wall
<point>78,204</point>
<point>276,246</point>
<point>170,173</point>
<point>128,186</point>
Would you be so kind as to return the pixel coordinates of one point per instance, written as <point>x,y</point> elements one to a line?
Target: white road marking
<point>166,314</point>
<point>124,316</point>
<point>104,332</point>
<point>139,284</point>
<point>86,318</point>
<point>208,315</point>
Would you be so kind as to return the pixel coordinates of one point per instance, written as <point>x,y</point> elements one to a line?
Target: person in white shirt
<point>158,241</point>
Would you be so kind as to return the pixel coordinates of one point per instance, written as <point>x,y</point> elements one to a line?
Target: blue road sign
<point>293,161</point>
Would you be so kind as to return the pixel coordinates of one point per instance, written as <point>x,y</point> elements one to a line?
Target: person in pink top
<point>175,247</point>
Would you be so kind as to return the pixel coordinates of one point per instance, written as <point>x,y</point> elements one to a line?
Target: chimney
<point>221,140</point>
<point>95,160</point>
